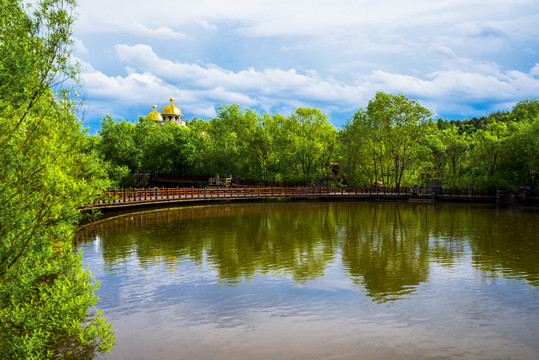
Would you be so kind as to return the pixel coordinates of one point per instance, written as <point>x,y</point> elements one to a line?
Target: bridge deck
<point>126,198</point>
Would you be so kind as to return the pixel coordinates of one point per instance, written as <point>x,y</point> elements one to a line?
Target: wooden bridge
<point>124,198</point>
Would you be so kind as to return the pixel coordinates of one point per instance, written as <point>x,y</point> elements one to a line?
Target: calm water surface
<point>319,281</point>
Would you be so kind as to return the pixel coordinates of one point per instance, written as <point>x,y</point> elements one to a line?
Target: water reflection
<point>388,249</point>
<point>508,243</point>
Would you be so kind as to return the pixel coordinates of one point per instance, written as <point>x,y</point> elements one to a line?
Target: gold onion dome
<point>171,109</point>
<point>154,115</point>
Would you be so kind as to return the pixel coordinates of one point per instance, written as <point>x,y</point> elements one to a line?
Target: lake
<point>319,280</point>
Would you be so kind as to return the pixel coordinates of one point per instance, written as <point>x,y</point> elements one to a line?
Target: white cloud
<point>199,89</point>
<point>79,47</point>
<point>458,55</point>
<point>102,24</point>
<point>229,86</point>
<point>161,32</point>
<point>208,112</point>
<point>308,17</point>
<point>206,25</point>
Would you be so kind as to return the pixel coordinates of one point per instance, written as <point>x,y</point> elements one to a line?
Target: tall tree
<point>357,156</point>
<point>457,153</point>
<point>526,110</point>
<point>310,141</point>
<point>167,149</point>
<point>488,154</point>
<point>47,172</point>
<point>120,144</point>
<point>399,124</point>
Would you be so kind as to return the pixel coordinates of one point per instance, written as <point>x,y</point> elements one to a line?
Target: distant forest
<point>395,141</point>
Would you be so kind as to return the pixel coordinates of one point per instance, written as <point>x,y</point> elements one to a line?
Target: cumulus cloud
<point>199,89</point>
<point>78,46</point>
<point>102,24</point>
<point>319,17</point>
<point>206,25</point>
<point>247,87</point>
<point>457,56</point>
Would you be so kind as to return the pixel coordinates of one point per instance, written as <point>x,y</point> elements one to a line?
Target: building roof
<point>154,115</point>
<point>171,109</point>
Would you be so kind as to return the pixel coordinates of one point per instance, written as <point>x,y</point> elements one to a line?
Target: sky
<point>458,58</point>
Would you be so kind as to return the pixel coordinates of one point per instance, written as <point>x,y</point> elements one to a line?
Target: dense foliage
<point>49,168</point>
<point>47,172</point>
<point>393,142</point>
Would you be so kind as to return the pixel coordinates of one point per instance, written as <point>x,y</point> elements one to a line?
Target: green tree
<point>488,154</point>
<point>433,155</point>
<point>225,136</point>
<point>309,144</point>
<point>527,110</point>
<point>198,144</point>
<point>457,152</point>
<point>399,124</point>
<point>382,143</point>
<point>117,174</point>
<point>47,172</point>
<point>263,144</point>
<point>356,151</point>
<point>119,143</point>
<point>166,149</point>
<point>278,162</point>
<point>520,164</point>
<point>145,146</point>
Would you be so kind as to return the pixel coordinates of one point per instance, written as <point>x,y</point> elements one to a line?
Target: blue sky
<point>459,58</point>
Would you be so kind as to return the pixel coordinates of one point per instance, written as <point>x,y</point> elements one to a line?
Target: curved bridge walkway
<point>125,198</point>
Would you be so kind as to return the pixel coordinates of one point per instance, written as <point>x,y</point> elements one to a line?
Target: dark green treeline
<point>393,142</point>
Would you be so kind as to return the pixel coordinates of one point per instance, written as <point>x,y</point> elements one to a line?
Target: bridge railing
<point>115,196</point>
<point>132,195</point>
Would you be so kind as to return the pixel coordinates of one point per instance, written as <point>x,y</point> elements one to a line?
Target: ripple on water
<point>331,281</point>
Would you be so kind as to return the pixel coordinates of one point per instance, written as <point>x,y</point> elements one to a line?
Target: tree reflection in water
<point>387,248</point>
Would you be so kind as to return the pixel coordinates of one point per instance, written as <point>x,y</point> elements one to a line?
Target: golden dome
<point>171,109</point>
<point>154,115</point>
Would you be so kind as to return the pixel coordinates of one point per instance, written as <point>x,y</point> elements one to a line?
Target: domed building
<point>154,115</point>
<point>170,113</point>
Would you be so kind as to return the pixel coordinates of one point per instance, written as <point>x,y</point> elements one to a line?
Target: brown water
<point>320,281</point>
